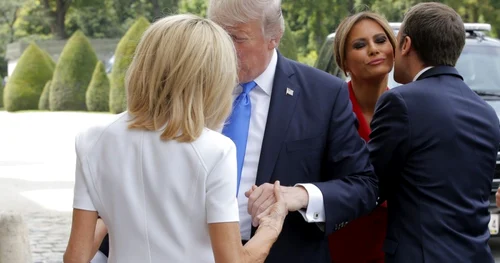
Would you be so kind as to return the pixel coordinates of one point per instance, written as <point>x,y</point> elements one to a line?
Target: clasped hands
<point>274,200</point>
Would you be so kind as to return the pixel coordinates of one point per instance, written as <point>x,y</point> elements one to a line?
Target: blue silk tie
<point>237,125</point>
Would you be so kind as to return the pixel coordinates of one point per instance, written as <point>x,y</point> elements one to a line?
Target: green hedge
<point>1,93</point>
<point>288,47</point>
<point>49,58</point>
<point>43,104</point>
<point>97,96</point>
<point>72,75</point>
<point>123,57</point>
<point>25,86</point>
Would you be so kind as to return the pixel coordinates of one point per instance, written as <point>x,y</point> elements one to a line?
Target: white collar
<point>421,72</point>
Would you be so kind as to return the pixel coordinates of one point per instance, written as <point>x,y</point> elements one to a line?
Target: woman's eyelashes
<point>362,43</point>
<point>359,44</point>
<point>380,39</point>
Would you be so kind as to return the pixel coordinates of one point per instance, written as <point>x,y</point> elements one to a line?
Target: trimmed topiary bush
<point>287,46</point>
<point>25,86</point>
<point>49,59</point>
<point>97,96</point>
<point>72,75</point>
<point>123,56</point>
<point>43,104</point>
<point>1,93</point>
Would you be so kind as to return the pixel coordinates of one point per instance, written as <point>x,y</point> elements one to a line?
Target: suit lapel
<point>283,100</point>
<point>440,70</point>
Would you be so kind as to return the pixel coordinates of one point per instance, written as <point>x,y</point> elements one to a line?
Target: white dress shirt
<point>421,72</point>
<point>156,197</point>
<point>260,98</point>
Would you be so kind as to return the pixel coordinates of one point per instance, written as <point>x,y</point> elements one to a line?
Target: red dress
<point>361,240</point>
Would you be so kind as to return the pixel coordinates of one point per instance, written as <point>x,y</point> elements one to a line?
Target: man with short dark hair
<point>434,144</point>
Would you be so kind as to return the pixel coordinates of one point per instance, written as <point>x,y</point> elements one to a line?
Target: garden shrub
<point>97,96</point>
<point>43,104</point>
<point>72,75</point>
<point>123,57</point>
<point>25,85</point>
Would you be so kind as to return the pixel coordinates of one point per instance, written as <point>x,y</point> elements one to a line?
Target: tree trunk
<point>350,7</point>
<point>60,27</point>
<point>476,14</point>
<point>10,20</point>
<point>57,26</point>
<point>157,10</point>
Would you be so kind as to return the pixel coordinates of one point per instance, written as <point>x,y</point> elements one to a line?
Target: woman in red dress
<point>364,50</point>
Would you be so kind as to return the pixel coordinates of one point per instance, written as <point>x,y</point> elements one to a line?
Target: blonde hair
<point>182,76</point>
<point>345,28</point>
<point>233,12</point>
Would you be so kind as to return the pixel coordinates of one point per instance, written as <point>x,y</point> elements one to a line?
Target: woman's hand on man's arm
<point>226,238</point>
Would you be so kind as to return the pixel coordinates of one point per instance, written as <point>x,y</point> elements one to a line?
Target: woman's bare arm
<point>226,238</point>
<point>81,238</point>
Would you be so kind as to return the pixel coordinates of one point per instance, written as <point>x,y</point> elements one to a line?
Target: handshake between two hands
<point>272,202</point>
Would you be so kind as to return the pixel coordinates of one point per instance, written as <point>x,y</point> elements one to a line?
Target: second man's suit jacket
<point>434,145</point>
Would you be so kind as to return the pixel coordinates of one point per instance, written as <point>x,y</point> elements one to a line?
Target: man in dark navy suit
<point>433,145</point>
<point>301,131</point>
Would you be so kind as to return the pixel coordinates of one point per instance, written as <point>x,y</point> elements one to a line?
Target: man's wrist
<point>297,198</point>
<point>304,197</point>
<point>311,203</point>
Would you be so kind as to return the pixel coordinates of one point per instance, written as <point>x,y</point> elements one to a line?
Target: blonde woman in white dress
<point>159,175</point>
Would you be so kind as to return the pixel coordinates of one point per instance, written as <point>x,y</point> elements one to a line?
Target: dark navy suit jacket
<point>433,145</point>
<point>311,137</point>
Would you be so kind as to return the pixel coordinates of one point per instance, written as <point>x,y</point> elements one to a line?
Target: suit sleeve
<point>389,140</point>
<point>352,187</point>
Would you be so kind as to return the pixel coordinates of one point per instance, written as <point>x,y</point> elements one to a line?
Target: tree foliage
<point>197,7</point>
<point>1,94</point>
<point>288,47</point>
<point>309,20</point>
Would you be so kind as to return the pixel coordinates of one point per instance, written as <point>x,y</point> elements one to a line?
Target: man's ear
<point>273,43</point>
<point>405,49</point>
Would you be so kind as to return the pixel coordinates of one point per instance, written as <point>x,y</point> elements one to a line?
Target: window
<point>479,65</point>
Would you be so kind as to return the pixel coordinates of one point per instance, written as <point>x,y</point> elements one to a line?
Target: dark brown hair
<point>436,31</point>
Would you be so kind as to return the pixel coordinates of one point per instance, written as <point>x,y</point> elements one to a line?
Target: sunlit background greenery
<point>31,21</point>
<point>310,20</point>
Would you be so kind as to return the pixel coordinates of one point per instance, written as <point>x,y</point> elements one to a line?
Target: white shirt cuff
<point>315,212</point>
